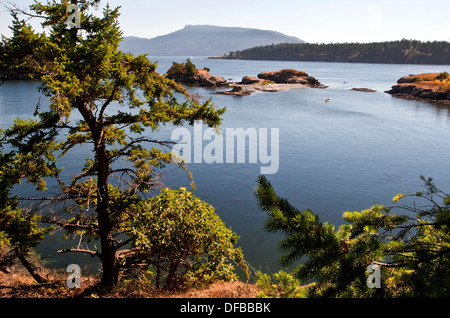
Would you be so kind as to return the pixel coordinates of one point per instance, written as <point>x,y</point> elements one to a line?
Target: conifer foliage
<point>412,248</point>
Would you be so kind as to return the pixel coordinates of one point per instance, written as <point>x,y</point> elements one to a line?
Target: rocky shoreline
<point>271,81</point>
<point>426,87</point>
<point>247,89</point>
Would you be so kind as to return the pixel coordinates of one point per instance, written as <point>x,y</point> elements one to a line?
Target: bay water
<point>357,150</point>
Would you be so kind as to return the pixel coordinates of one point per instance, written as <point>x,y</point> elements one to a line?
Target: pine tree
<point>412,248</point>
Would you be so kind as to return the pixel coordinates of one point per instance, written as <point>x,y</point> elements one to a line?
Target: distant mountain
<point>204,40</point>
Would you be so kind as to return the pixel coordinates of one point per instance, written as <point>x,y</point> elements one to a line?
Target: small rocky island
<point>428,87</point>
<point>364,89</point>
<point>187,74</point>
<point>272,81</point>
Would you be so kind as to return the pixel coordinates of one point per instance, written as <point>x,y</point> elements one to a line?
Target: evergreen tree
<point>85,73</point>
<point>20,231</point>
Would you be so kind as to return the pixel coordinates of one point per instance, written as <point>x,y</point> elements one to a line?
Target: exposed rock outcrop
<point>236,91</point>
<point>251,80</point>
<point>245,89</point>
<point>363,89</point>
<point>290,76</point>
<point>417,93</point>
<point>407,79</point>
<point>429,87</point>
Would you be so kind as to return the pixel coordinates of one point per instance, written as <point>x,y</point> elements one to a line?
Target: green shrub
<point>191,70</point>
<point>180,70</point>
<point>285,286</point>
<point>184,242</point>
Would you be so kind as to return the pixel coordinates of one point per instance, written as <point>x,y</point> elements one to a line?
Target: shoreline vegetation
<point>392,52</point>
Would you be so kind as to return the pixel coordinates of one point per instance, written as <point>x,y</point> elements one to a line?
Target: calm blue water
<point>349,154</point>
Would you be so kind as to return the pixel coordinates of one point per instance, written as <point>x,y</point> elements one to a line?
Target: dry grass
<point>265,82</point>
<point>429,81</point>
<point>445,87</point>
<point>17,284</point>
<point>234,289</point>
<point>292,72</point>
<point>424,77</point>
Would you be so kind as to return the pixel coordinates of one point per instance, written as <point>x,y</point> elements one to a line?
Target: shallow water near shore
<point>357,150</point>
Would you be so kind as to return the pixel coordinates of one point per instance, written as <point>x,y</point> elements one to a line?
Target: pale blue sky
<point>321,21</point>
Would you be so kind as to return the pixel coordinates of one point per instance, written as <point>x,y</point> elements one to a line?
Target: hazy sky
<point>321,21</point>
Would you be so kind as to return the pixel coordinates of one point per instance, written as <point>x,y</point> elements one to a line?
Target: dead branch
<point>77,250</point>
<point>14,9</point>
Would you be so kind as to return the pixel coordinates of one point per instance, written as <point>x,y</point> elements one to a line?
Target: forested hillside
<point>397,52</point>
